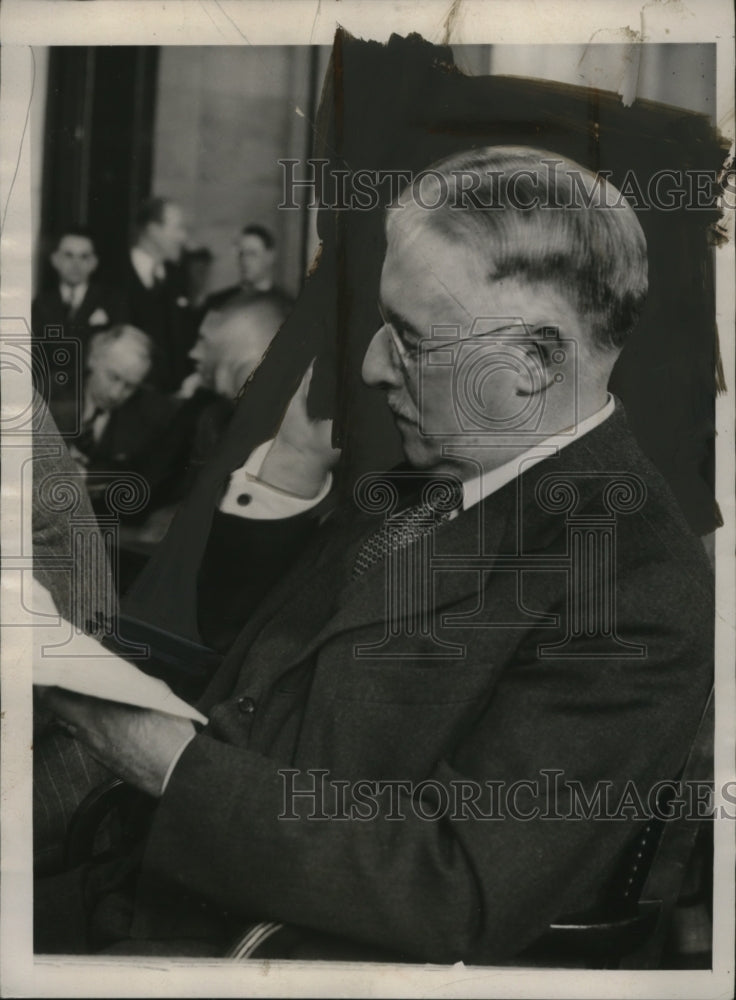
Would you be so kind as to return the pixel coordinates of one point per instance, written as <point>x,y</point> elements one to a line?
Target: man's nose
<point>379,366</point>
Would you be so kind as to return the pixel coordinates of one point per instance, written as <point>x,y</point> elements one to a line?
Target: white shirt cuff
<point>175,760</point>
<point>249,497</point>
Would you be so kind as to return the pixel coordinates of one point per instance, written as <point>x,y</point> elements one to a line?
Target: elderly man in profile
<point>394,768</point>
<point>230,345</point>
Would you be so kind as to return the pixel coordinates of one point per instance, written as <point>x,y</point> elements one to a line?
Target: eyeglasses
<point>409,355</point>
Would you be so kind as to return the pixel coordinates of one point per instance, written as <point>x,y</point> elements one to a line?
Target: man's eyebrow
<point>396,319</point>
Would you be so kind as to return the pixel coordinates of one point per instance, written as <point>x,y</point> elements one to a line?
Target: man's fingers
<point>297,406</point>
<point>306,381</point>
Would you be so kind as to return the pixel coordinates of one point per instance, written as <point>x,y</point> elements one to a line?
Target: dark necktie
<point>396,532</point>
<point>86,440</point>
<point>70,304</point>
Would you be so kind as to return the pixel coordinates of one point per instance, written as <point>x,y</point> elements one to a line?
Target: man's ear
<point>536,373</point>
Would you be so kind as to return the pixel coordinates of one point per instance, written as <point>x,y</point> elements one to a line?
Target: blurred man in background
<point>229,347</point>
<point>256,249</point>
<point>76,304</point>
<point>197,266</point>
<point>155,292</point>
<point>231,342</point>
<point>121,417</point>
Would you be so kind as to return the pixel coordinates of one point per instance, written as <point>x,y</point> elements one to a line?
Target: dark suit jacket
<point>220,298</point>
<point>48,309</point>
<point>130,442</point>
<point>163,312</point>
<point>165,595</point>
<point>133,429</point>
<point>292,693</point>
<point>63,371</point>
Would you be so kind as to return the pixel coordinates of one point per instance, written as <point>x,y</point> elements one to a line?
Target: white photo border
<point>28,23</point>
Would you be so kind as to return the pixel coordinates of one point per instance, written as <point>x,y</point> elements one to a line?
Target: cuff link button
<point>246,705</point>
<point>243,499</point>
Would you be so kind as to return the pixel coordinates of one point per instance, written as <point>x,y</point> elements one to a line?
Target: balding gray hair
<point>122,332</point>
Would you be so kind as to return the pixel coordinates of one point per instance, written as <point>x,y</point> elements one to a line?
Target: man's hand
<point>137,744</point>
<point>302,453</point>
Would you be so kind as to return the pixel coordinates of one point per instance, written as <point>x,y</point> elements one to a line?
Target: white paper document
<point>84,666</point>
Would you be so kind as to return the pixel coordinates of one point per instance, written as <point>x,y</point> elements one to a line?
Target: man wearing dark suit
<point>256,262</point>
<point>230,345</point>
<point>122,418</point>
<point>77,304</point>
<point>155,292</point>
<point>551,637</point>
<point>232,342</point>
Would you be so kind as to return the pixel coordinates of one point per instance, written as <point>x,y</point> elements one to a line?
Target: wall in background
<point>97,134</point>
<point>36,130</point>
<point>681,75</point>
<point>224,118</point>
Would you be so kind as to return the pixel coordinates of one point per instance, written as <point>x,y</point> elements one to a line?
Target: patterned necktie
<point>397,532</point>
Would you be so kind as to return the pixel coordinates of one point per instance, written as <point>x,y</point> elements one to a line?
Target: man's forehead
<point>76,245</point>
<point>247,324</point>
<point>251,241</point>
<point>172,213</point>
<point>431,269</point>
<point>449,283</point>
<point>125,350</point>
<point>211,323</point>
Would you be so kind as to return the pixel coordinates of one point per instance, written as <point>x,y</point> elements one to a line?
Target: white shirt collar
<point>482,486</point>
<point>72,295</point>
<point>264,285</point>
<point>146,267</point>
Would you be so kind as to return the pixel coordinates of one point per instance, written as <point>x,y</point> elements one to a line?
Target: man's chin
<point>416,452</point>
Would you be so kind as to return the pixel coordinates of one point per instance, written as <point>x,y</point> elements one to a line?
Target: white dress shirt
<point>73,295</point>
<point>148,269</point>
<point>248,496</point>
<point>482,486</point>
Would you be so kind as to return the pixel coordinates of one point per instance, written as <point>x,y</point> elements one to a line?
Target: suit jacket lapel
<point>511,521</point>
<point>363,602</point>
<point>514,520</point>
